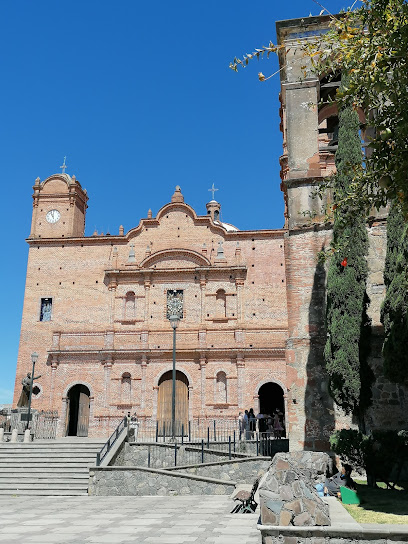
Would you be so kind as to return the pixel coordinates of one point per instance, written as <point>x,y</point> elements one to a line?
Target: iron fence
<point>191,431</point>
<point>209,430</point>
<point>160,455</point>
<point>45,424</point>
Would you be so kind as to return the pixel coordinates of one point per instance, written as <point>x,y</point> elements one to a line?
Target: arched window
<point>130,305</point>
<point>126,388</point>
<point>221,303</point>
<point>221,388</point>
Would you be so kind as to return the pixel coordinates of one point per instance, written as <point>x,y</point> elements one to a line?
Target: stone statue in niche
<point>174,303</point>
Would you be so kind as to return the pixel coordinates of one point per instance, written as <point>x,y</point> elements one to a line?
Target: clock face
<point>53,216</point>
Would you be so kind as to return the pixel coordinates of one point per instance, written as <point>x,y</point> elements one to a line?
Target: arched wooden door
<point>78,411</point>
<point>165,400</point>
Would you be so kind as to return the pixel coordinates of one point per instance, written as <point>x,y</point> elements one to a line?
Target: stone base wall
<point>244,471</point>
<point>331,535</point>
<point>118,481</point>
<point>136,454</point>
<point>287,493</point>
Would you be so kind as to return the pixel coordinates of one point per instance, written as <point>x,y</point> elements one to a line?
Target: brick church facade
<point>251,332</point>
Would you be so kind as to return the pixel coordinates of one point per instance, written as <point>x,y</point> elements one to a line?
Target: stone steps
<point>47,467</point>
<point>39,491</point>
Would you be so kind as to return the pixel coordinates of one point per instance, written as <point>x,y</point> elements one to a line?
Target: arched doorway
<point>164,403</point>
<point>271,399</point>
<point>78,411</point>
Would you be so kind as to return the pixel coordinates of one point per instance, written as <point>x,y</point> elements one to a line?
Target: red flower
<point>344,262</point>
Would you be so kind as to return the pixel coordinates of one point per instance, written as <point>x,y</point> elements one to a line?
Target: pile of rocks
<point>287,493</point>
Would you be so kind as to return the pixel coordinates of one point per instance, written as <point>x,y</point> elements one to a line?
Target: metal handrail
<point>100,456</point>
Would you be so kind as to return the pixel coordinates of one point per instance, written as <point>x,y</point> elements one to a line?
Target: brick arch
<point>78,382</point>
<point>188,254</point>
<point>176,206</point>
<point>274,380</point>
<point>162,372</point>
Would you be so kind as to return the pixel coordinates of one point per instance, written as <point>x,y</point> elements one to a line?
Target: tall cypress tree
<point>348,325</point>
<point>395,306</point>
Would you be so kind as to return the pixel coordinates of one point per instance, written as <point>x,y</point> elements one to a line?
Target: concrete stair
<point>53,467</point>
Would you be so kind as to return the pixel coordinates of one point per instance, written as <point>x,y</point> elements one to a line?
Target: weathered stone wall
<point>330,535</point>
<point>243,471</point>
<point>141,481</point>
<point>287,493</point>
<point>162,455</point>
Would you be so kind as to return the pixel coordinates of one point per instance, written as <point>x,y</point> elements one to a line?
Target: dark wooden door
<point>83,411</point>
<point>165,402</point>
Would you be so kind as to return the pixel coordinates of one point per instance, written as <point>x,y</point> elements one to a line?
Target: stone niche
<point>287,491</point>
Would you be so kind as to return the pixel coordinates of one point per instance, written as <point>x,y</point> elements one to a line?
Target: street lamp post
<point>174,321</point>
<point>34,357</point>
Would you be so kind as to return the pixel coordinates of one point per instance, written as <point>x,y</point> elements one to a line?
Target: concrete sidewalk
<point>157,520</point>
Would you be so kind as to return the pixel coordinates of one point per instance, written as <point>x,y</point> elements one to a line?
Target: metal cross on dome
<point>64,166</point>
<point>212,190</point>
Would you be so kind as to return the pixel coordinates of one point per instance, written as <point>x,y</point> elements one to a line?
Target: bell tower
<point>59,207</point>
<point>307,159</point>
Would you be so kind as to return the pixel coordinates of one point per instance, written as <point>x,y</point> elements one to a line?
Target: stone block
<point>285,517</point>
<point>321,518</point>
<point>268,517</point>
<point>266,494</point>
<point>274,506</point>
<point>272,484</point>
<point>285,493</point>
<point>289,540</point>
<point>310,506</point>
<point>303,519</point>
<point>297,490</point>
<point>269,539</point>
<point>294,506</point>
<point>282,465</point>
<point>290,477</point>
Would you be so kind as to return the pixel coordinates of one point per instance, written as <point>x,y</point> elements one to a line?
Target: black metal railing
<point>45,424</point>
<point>209,430</point>
<point>162,455</point>
<point>100,456</point>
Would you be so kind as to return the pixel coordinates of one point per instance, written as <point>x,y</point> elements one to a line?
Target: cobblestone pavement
<point>94,520</point>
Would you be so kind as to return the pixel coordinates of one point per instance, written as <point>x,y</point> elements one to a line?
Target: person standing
<point>277,425</point>
<point>252,422</point>
<point>246,425</point>
<point>241,424</point>
<point>261,423</point>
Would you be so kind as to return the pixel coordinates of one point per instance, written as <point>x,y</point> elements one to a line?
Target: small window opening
<point>45,311</point>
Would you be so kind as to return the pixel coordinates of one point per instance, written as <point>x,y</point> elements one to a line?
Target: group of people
<point>249,424</point>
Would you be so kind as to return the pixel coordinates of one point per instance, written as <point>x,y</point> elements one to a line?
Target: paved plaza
<point>157,520</point>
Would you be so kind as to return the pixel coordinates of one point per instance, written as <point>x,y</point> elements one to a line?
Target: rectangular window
<point>174,303</point>
<point>45,310</point>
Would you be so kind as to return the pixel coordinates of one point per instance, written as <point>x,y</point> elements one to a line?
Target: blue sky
<point>139,97</point>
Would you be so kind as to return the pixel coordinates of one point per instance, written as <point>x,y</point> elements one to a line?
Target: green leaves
<point>347,302</point>
<point>370,45</point>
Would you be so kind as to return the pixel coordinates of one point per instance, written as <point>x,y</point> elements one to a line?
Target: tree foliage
<point>382,454</point>
<point>347,321</point>
<point>394,312</point>
<point>370,44</point>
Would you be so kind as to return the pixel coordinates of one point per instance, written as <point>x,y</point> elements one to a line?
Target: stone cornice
<point>183,355</point>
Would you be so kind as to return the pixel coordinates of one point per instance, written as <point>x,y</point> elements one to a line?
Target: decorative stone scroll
<point>287,493</point>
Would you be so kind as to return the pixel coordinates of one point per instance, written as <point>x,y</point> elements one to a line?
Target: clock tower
<point>59,207</point>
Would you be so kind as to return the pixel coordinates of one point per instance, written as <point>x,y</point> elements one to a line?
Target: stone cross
<point>64,166</point>
<point>212,190</point>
